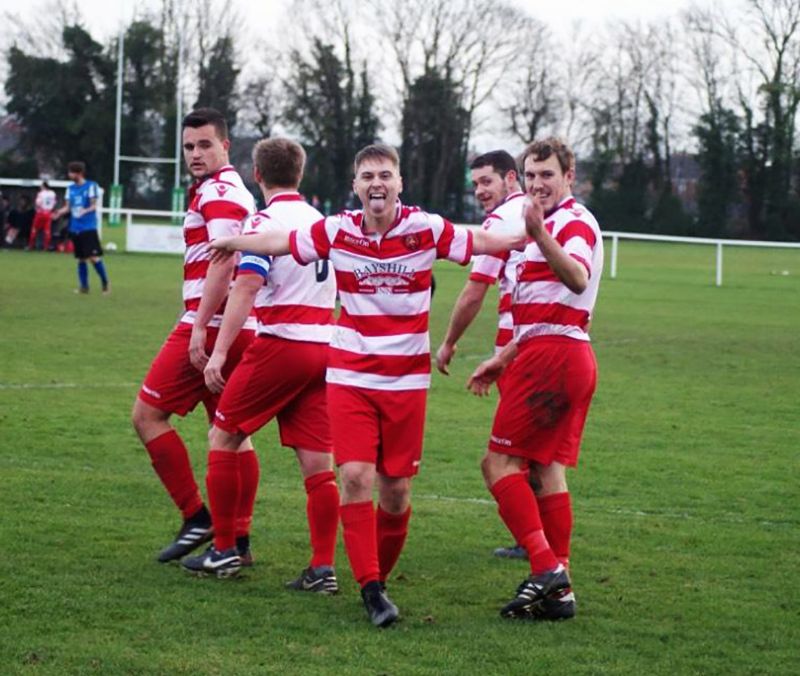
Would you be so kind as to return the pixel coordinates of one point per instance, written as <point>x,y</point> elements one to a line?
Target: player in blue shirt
<point>81,203</point>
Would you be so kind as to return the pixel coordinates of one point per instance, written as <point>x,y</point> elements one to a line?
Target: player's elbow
<point>577,279</point>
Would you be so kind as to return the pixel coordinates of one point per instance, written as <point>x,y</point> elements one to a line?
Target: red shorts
<point>284,379</point>
<point>378,426</point>
<point>546,397</point>
<point>174,385</point>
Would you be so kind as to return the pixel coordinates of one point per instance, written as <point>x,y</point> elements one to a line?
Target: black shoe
<point>559,605</point>
<point>382,612</point>
<point>533,590</point>
<point>193,533</point>
<point>513,552</point>
<point>321,581</point>
<point>213,562</point>
<point>243,548</point>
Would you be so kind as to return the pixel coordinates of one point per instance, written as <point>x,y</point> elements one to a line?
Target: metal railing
<point>614,236</point>
<point>718,243</point>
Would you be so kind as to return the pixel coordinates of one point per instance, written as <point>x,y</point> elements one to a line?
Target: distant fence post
<point>614,247</point>
<point>719,263</point>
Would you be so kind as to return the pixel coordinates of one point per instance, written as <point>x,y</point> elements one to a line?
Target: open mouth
<point>377,200</point>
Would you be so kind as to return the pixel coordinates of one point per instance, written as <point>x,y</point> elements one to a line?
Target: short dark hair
<point>500,161</point>
<point>200,117</point>
<point>280,162</point>
<point>376,151</point>
<point>76,168</point>
<point>544,148</point>
<point>45,184</point>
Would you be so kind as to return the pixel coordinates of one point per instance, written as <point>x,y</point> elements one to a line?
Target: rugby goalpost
<point>115,199</point>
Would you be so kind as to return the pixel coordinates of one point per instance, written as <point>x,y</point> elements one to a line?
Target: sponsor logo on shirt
<point>500,440</point>
<point>384,278</point>
<point>356,241</point>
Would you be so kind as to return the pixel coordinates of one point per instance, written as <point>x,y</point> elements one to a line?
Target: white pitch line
<point>725,518</point>
<point>62,386</point>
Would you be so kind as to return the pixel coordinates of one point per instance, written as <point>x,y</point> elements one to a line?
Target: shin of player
<point>218,201</point>
<point>550,377</point>
<point>379,359</point>
<point>282,375</point>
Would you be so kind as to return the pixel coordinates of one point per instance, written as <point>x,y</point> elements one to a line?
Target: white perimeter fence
<point>161,238</point>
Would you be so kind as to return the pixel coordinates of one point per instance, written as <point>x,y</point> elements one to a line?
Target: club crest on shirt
<point>221,189</point>
<point>411,242</point>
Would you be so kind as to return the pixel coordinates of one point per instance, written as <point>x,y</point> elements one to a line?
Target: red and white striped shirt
<point>217,206</point>
<point>45,201</point>
<point>296,301</point>
<point>543,305</point>
<point>505,219</point>
<point>381,338</point>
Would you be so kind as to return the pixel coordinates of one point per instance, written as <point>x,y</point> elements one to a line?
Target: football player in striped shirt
<point>379,358</point>
<point>218,201</point>
<point>282,375</point>
<point>550,375</point>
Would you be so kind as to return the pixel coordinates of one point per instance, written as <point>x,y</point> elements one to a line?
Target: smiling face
<point>378,184</point>
<point>204,151</point>
<point>491,187</point>
<point>546,179</point>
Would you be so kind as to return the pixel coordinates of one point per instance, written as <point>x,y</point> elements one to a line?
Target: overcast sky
<point>104,16</point>
<point>263,20</point>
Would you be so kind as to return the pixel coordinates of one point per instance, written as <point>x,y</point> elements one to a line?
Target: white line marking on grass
<point>723,518</point>
<point>62,386</point>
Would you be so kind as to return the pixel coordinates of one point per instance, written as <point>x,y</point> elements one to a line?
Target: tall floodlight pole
<point>118,122</point>
<point>178,111</point>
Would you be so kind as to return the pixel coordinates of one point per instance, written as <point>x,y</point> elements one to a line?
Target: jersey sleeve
<point>92,192</point>
<point>253,263</point>
<point>488,268</point>
<point>222,210</point>
<point>454,243</point>
<point>311,244</point>
<point>578,240</point>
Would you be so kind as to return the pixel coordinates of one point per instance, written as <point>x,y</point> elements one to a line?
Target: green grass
<point>687,506</point>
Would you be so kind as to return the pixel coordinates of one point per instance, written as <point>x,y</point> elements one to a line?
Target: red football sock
<point>322,508</point>
<point>392,530</point>
<point>171,462</point>
<point>517,507</point>
<point>249,474</point>
<point>223,485</point>
<point>358,531</point>
<point>556,513</point>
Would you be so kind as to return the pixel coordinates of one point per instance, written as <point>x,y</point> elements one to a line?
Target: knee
<point>551,479</point>
<point>356,484</point>
<point>220,439</point>
<point>312,463</point>
<point>488,469</point>
<point>139,417</point>
<point>146,420</point>
<point>395,495</point>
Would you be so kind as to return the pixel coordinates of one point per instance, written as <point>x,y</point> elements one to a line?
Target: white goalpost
<point>115,198</point>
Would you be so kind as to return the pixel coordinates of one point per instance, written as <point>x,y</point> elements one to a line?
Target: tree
<point>472,44</point>
<point>66,107</point>
<point>717,134</point>
<point>332,109</point>
<point>218,74</point>
<point>433,152</point>
<point>764,40</point>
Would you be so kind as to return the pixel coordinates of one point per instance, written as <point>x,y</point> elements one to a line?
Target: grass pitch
<point>687,506</point>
